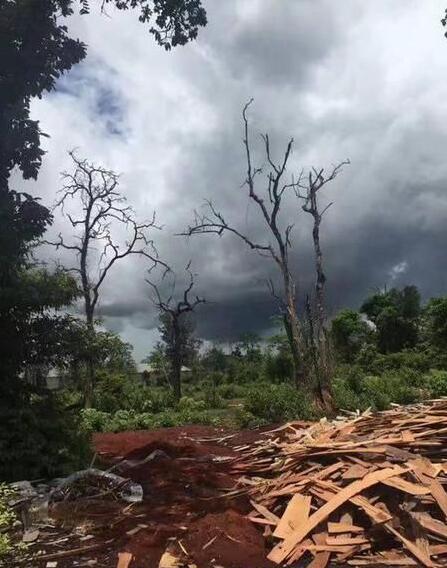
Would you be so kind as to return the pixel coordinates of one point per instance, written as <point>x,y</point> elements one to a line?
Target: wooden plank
<point>381,561</point>
<point>265,512</point>
<point>356,471</point>
<point>406,486</point>
<point>322,558</point>
<point>415,550</point>
<point>337,528</point>
<point>331,547</point>
<point>296,514</point>
<point>124,559</point>
<point>432,525</point>
<point>299,552</point>
<point>346,541</point>
<point>282,550</point>
<point>261,521</point>
<point>377,515</point>
<point>439,495</point>
<point>374,513</point>
<point>438,549</point>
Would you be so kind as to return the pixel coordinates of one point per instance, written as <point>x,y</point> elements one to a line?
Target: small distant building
<point>41,376</point>
<point>150,375</point>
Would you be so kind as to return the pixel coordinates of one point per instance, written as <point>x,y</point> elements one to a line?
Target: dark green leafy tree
<point>172,22</point>
<point>278,362</point>
<point>349,333</point>
<point>108,351</point>
<point>396,315</point>
<point>435,322</point>
<point>248,346</point>
<point>36,49</point>
<point>39,438</point>
<point>215,360</point>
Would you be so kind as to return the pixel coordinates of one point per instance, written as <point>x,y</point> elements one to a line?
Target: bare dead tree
<point>277,248</point>
<point>95,189</point>
<point>308,191</point>
<point>175,312</point>
<point>318,346</point>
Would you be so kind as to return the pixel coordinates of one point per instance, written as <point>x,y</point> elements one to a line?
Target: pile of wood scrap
<point>363,490</point>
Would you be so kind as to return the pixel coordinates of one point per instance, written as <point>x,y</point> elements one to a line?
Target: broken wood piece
<point>322,558</point>
<point>265,512</point>
<point>262,521</point>
<point>337,528</point>
<point>282,550</point>
<point>345,541</point>
<point>209,543</point>
<point>432,525</point>
<point>124,559</point>
<point>439,495</point>
<point>74,551</point>
<point>406,486</point>
<point>356,471</point>
<point>296,513</point>
<point>168,560</point>
<point>418,553</point>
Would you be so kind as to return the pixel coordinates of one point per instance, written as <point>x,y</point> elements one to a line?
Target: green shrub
<point>7,517</point>
<point>242,418</point>
<point>390,387</point>
<point>95,420</point>
<point>42,440</point>
<point>229,391</point>
<point>212,398</point>
<point>188,404</point>
<point>115,392</point>
<point>418,361</point>
<point>355,390</point>
<point>149,399</point>
<point>275,403</point>
<point>348,399</point>
<point>436,383</point>
<point>242,372</point>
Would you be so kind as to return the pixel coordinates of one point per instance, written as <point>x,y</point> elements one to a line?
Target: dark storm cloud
<point>270,46</point>
<point>346,80</point>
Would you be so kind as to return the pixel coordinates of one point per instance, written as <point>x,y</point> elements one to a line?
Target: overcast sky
<point>360,80</point>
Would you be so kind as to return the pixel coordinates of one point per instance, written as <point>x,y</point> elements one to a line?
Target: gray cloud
<point>344,79</point>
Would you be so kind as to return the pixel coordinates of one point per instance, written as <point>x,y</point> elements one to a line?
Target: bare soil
<point>185,509</point>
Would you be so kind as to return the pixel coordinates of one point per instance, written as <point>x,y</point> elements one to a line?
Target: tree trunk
<point>90,376</point>
<point>323,364</point>
<point>176,361</point>
<point>293,331</point>
<point>296,359</point>
<point>317,347</point>
<point>320,280</point>
<point>89,384</point>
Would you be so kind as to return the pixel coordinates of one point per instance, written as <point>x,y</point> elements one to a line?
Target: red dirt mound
<point>125,443</point>
<point>226,539</point>
<point>184,503</point>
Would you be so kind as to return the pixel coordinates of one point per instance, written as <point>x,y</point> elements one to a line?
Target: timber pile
<point>367,490</point>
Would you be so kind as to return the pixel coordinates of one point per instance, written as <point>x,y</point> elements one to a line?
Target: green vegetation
<point>390,352</point>
<point>7,517</point>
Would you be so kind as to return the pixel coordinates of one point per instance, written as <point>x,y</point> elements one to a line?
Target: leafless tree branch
<point>176,311</point>
<point>103,208</point>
